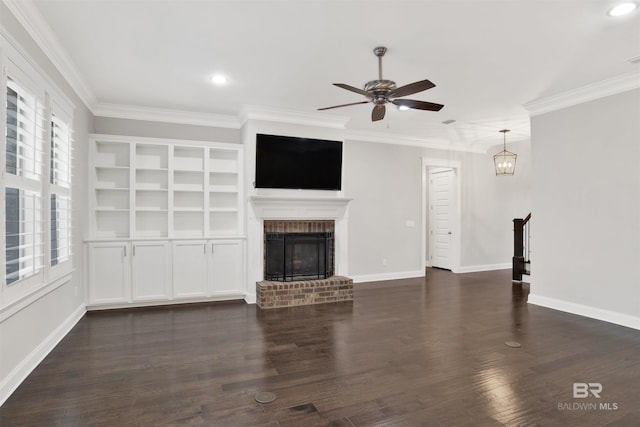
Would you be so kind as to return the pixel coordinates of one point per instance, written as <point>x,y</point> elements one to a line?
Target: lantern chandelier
<point>505,161</point>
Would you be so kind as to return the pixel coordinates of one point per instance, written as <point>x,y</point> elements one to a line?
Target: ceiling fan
<point>380,91</point>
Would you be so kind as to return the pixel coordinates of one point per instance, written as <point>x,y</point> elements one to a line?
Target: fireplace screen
<point>298,256</point>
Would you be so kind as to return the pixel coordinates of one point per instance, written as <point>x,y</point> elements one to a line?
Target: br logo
<point>583,390</point>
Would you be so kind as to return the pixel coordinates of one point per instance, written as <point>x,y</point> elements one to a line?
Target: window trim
<point>22,68</point>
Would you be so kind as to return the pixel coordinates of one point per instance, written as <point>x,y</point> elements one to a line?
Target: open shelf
<point>188,158</point>
<point>223,179</point>
<point>110,154</point>
<point>223,161</point>
<point>112,223</point>
<point>152,156</point>
<point>151,223</point>
<point>151,179</point>
<point>188,200</point>
<point>152,199</point>
<point>108,199</point>
<point>223,200</point>
<point>188,181</point>
<point>223,223</point>
<point>112,178</point>
<point>188,224</point>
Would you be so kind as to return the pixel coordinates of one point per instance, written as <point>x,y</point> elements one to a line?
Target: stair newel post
<point>518,248</point>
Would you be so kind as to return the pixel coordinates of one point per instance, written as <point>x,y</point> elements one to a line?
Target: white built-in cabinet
<point>166,221</point>
<point>190,268</point>
<point>109,278</point>
<point>150,271</point>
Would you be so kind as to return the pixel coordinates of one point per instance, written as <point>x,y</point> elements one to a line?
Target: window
<point>35,179</point>
<point>24,251</point>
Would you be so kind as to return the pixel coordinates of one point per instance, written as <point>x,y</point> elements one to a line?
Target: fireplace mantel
<point>273,207</point>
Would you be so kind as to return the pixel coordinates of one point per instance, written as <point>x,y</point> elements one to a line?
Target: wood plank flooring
<point>414,352</point>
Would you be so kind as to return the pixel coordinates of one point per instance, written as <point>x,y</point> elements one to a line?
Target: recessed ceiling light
<point>622,9</point>
<point>219,79</point>
<point>403,108</point>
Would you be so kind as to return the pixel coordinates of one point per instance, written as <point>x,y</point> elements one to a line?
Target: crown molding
<point>281,115</point>
<point>590,92</point>
<point>30,18</point>
<point>132,112</point>
<point>435,143</point>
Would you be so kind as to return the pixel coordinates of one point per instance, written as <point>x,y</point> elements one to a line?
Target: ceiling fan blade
<point>411,88</point>
<point>343,105</point>
<point>378,112</point>
<point>353,89</point>
<point>418,105</point>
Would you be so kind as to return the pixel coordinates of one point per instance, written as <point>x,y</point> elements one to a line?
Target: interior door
<point>440,221</point>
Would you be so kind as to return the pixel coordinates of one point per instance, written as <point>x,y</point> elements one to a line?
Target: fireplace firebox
<point>298,256</point>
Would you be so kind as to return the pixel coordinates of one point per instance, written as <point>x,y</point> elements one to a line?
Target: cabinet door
<point>226,268</point>
<point>109,273</point>
<point>189,269</point>
<point>151,270</point>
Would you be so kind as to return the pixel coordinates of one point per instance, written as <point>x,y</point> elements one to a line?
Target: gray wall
<point>385,182</point>
<point>490,203</point>
<point>586,201</point>
<point>111,126</point>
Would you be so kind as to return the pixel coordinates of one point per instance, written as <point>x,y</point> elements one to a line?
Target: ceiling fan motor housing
<point>379,90</point>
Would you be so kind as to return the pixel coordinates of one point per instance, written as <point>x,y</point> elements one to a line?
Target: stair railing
<point>521,247</point>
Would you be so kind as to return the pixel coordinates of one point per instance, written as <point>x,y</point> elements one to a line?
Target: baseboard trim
<point>387,276</point>
<point>250,298</point>
<point>20,372</point>
<point>161,303</point>
<point>586,311</point>
<point>485,267</point>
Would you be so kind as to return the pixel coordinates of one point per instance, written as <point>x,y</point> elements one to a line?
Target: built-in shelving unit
<point>166,221</point>
<point>147,188</point>
<point>111,190</point>
<point>224,184</point>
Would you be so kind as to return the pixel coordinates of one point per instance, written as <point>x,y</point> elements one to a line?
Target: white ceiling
<point>487,58</point>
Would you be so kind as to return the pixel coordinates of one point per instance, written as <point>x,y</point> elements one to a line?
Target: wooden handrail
<point>526,219</point>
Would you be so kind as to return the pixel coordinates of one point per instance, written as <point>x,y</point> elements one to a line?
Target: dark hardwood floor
<point>423,352</point>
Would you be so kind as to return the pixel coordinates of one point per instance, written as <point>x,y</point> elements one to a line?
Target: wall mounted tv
<point>298,163</point>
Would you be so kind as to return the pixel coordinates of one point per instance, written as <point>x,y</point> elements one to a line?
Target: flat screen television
<point>298,163</point>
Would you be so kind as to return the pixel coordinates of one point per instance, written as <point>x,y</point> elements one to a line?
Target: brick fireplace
<point>301,250</point>
<point>320,227</point>
<point>299,265</point>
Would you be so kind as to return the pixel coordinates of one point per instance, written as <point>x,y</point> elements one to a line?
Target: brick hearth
<point>287,294</point>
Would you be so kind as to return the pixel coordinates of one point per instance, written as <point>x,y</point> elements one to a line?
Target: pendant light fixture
<point>505,161</point>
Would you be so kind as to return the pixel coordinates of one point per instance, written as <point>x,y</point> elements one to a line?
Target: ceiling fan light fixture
<point>505,161</point>
<point>623,9</point>
<point>219,79</point>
